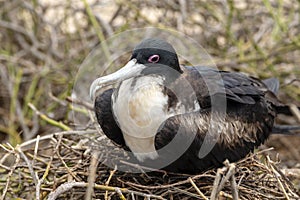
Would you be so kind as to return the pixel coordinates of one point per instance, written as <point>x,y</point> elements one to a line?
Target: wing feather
<point>106,119</point>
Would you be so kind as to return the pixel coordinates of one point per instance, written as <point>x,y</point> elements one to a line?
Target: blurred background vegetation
<point>44,42</point>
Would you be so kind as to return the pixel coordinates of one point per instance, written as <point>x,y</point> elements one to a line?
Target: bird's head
<point>151,56</point>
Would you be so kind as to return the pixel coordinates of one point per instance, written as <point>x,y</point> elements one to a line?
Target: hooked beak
<point>129,70</point>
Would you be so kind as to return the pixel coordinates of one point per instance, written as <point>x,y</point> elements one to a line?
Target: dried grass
<point>74,165</point>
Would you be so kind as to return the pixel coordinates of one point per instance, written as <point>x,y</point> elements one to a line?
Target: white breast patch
<point>140,108</point>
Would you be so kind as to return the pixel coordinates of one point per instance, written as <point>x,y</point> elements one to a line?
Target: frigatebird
<point>164,113</point>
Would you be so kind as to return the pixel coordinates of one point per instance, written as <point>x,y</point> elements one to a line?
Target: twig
<point>92,174</point>
<point>59,101</point>
<point>67,168</point>
<point>214,191</point>
<point>49,120</point>
<point>15,27</point>
<point>108,180</point>
<point>277,178</point>
<point>231,170</point>
<point>80,102</point>
<point>69,185</point>
<point>286,180</point>
<point>230,174</point>
<point>12,169</point>
<point>98,30</point>
<point>50,136</point>
<point>291,82</point>
<point>142,168</point>
<point>167,185</point>
<point>234,188</point>
<point>119,192</point>
<point>32,172</point>
<point>34,50</point>
<point>224,194</point>
<point>64,188</point>
<point>49,163</point>
<point>36,147</point>
<point>197,189</point>
<point>6,149</point>
<point>185,192</point>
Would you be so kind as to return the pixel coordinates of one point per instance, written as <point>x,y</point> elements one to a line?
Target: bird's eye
<point>153,59</point>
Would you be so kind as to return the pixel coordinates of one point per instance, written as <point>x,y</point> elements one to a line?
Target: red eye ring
<point>154,58</point>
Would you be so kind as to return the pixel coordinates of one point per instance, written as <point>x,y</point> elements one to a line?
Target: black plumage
<point>251,107</point>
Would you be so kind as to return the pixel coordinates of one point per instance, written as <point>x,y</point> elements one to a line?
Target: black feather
<point>106,119</point>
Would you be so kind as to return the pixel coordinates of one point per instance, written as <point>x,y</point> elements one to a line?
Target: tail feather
<point>284,109</point>
<point>272,84</point>
<point>286,129</point>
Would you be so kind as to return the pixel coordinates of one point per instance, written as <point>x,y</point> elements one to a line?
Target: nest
<point>74,165</point>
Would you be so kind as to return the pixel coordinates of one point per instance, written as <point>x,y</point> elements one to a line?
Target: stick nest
<point>75,164</point>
